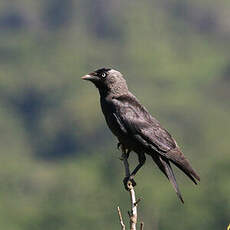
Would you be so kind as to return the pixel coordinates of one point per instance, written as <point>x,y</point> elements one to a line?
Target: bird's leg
<point>125,152</point>
<point>125,156</point>
<point>128,178</point>
<point>142,159</point>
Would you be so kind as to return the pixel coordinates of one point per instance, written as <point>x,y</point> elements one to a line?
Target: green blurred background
<point>59,166</point>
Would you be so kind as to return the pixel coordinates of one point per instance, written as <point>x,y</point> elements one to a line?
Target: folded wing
<point>134,118</point>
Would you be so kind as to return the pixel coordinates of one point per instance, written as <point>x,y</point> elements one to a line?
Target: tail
<point>165,167</point>
<point>177,158</point>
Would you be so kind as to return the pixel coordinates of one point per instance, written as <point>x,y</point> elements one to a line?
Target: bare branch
<point>120,218</point>
<point>133,212</point>
<point>133,217</point>
<point>138,200</point>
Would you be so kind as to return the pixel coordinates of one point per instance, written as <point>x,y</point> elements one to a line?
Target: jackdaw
<point>136,129</point>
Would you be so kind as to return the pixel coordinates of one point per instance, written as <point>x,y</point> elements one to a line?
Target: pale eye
<point>103,75</point>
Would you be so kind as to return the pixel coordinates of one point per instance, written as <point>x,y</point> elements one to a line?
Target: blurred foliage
<point>59,167</point>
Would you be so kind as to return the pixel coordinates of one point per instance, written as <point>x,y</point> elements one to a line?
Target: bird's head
<point>107,81</point>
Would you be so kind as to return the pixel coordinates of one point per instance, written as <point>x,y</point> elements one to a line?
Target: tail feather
<point>177,158</point>
<point>165,167</point>
<point>171,177</point>
<point>188,173</point>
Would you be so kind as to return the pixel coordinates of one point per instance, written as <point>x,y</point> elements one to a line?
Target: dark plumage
<point>136,129</point>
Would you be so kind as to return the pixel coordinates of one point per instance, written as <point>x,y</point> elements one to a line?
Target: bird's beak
<point>90,77</point>
<point>87,77</point>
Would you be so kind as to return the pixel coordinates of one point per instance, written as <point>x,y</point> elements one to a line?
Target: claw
<point>129,182</point>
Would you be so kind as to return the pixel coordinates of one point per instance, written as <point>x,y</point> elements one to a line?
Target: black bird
<point>136,129</point>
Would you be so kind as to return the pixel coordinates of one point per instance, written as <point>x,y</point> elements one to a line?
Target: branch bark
<point>121,219</point>
<point>133,212</point>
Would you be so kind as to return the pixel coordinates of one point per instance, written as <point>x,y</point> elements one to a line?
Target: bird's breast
<point>109,111</point>
<point>115,125</point>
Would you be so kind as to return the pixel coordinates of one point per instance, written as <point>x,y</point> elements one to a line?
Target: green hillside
<point>59,166</point>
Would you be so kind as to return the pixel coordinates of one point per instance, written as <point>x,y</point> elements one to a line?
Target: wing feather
<point>137,120</point>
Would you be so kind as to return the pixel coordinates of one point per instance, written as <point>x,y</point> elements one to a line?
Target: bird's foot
<point>129,183</point>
